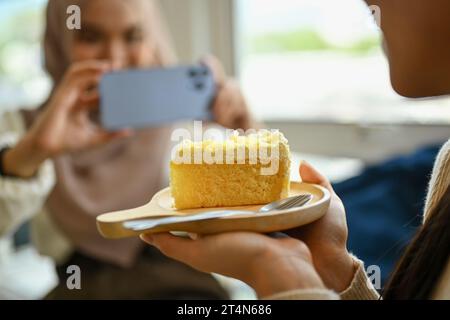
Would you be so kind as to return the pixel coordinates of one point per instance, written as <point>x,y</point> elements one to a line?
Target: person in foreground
<point>312,262</point>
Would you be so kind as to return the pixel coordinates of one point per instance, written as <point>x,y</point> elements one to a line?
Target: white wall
<point>199,27</point>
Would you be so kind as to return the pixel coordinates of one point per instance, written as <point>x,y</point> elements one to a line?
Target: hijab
<point>119,175</point>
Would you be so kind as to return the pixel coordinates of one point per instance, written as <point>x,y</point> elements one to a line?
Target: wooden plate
<point>110,225</point>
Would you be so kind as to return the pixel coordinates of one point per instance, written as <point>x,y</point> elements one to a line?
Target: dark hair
<point>424,261</point>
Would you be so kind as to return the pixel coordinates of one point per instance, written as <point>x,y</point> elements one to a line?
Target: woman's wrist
<point>23,160</point>
<point>337,270</point>
<point>284,273</point>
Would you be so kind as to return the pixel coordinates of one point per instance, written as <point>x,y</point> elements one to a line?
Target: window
<point>22,80</point>
<point>321,60</point>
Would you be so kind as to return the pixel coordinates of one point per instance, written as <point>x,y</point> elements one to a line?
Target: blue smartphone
<point>153,97</point>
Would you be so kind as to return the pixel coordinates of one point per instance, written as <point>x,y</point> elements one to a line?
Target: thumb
<point>310,175</point>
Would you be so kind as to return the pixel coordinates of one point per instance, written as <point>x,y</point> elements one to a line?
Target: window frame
<point>215,28</point>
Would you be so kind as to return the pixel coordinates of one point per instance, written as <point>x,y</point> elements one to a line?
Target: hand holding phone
<point>154,97</point>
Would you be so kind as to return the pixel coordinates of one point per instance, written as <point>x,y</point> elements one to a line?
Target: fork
<point>283,204</point>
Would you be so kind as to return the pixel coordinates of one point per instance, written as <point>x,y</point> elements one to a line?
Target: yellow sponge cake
<point>242,170</point>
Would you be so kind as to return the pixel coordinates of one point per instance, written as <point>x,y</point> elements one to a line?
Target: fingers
<point>311,175</point>
<point>79,79</point>
<point>88,66</point>
<point>86,81</point>
<point>178,248</point>
<point>89,100</point>
<point>86,73</point>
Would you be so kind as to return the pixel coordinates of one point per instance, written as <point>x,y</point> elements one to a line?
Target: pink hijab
<point>119,175</point>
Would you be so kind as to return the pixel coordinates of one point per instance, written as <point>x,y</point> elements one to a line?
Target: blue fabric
<point>384,207</point>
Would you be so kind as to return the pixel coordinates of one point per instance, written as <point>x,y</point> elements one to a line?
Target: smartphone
<point>153,97</point>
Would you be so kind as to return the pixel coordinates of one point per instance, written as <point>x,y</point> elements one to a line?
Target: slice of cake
<point>242,170</point>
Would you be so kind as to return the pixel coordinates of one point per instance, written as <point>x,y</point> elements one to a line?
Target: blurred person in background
<point>61,169</point>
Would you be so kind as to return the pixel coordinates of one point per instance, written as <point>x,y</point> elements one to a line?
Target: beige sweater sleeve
<point>21,199</point>
<point>360,289</point>
<point>305,294</point>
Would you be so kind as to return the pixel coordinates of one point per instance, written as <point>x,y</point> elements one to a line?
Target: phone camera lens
<point>192,73</point>
<point>199,86</point>
<point>204,72</point>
